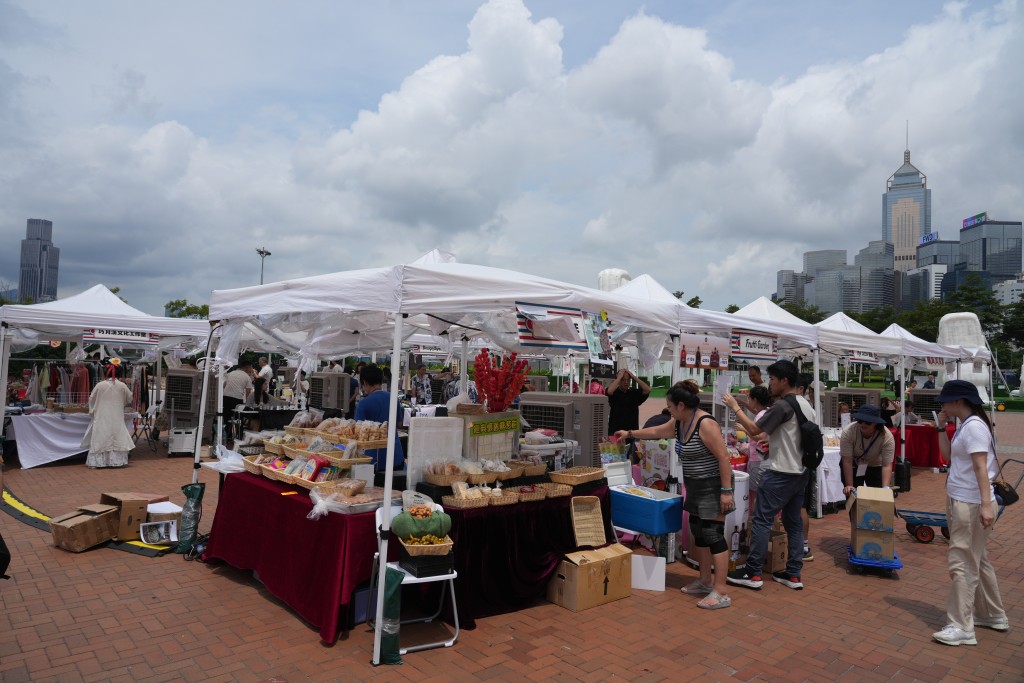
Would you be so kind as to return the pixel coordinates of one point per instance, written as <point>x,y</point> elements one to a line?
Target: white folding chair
<point>448,586</point>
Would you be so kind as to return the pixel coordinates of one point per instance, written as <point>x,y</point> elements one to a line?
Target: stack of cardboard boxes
<point>874,512</point>
<point>117,515</point>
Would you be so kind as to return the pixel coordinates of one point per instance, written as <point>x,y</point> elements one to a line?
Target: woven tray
<point>251,450</point>
<point>464,503</point>
<point>556,490</point>
<point>276,475</point>
<point>514,472</point>
<point>250,466</point>
<point>532,496</point>
<point>296,450</point>
<point>531,470</point>
<point>275,448</point>
<point>510,498</point>
<point>576,475</point>
<point>444,479</point>
<point>587,521</point>
<point>334,438</point>
<point>348,488</point>
<point>295,431</point>
<point>485,478</point>
<point>436,549</point>
<point>335,460</point>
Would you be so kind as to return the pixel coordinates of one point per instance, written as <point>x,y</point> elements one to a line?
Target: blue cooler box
<point>662,513</point>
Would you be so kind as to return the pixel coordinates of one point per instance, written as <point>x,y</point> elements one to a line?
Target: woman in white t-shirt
<point>974,598</point>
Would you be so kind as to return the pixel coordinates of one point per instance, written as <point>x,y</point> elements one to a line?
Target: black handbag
<point>1005,494</point>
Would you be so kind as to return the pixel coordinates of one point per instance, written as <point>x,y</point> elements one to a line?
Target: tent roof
<point>766,309</point>
<point>646,287</point>
<point>840,331</point>
<point>919,348</point>
<point>95,307</point>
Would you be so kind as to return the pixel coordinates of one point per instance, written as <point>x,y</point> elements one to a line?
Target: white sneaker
<point>994,623</point>
<point>954,635</point>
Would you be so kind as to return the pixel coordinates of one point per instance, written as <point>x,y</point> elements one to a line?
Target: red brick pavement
<point>106,615</point>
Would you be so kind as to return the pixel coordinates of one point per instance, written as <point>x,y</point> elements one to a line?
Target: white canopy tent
<point>26,325</point>
<point>463,296</point>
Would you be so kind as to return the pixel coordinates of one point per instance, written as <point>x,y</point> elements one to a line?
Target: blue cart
<point>860,564</point>
<point>919,524</point>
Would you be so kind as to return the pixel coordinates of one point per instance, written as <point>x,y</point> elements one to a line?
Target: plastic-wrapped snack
<point>460,489</point>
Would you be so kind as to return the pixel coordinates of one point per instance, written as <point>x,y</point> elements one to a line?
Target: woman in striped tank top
<point>707,474</point>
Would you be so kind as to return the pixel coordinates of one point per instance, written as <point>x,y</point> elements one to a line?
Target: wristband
<point>724,490</point>
<point>940,430</point>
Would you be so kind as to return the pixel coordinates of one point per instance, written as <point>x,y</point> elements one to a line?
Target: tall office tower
<point>992,246</point>
<point>823,259</point>
<point>877,287</point>
<point>906,212</point>
<point>837,289</point>
<point>789,286</point>
<point>37,280</point>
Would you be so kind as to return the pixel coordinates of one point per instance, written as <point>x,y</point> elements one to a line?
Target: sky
<point>707,143</point>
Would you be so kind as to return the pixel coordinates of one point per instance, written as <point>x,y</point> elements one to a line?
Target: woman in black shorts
<point>707,475</point>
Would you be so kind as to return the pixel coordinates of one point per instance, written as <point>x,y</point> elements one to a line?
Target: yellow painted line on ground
<point>22,507</point>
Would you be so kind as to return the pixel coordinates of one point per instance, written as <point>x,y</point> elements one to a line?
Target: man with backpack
<point>783,476</point>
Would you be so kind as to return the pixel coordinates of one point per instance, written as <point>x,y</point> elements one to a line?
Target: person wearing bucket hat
<point>867,450</point>
<point>974,598</point>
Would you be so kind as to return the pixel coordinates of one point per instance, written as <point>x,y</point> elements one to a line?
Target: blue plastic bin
<point>661,515</point>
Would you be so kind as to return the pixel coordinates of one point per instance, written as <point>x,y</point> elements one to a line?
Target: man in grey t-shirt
<point>783,479</point>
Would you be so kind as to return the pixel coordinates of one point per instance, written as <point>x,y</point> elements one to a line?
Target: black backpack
<point>812,443</point>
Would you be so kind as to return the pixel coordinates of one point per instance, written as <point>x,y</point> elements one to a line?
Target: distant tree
<point>732,308</point>
<point>181,308</point>
<point>877,319</point>
<point>117,291</point>
<point>695,302</point>
<point>809,313</point>
<point>678,294</point>
<point>6,293</point>
<point>923,319</point>
<point>972,295</point>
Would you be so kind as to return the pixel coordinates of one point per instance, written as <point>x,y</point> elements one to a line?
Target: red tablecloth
<point>922,446</point>
<point>312,565</point>
<point>506,555</point>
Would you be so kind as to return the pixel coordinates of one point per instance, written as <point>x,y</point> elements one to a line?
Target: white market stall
<point>97,309</point>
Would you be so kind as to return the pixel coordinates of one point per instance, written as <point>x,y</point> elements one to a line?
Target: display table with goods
<point>922,447</point>
<point>312,565</point>
<point>42,438</point>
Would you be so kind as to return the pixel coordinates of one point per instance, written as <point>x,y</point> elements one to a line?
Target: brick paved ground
<point>107,615</point>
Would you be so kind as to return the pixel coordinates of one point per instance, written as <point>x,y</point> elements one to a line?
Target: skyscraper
<point>906,212</point>
<point>877,286</point>
<point>37,279</point>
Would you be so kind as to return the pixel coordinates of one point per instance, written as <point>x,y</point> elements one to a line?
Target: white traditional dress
<point>107,438</point>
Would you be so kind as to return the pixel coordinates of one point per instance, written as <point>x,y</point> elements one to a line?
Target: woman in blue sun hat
<point>974,598</point>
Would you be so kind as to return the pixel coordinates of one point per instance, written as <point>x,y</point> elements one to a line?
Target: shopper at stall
<point>805,388</point>
<point>867,450</point>
<point>709,488</point>
<point>107,437</point>
<point>375,406</point>
<point>754,374</point>
<point>783,479</point>
<point>974,598</point>
<point>422,393</point>
<point>906,415</point>
<point>624,401</point>
<point>237,387</point>
<point>758,401</point>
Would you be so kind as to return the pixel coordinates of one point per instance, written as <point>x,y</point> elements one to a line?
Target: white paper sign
<point>723,385</point>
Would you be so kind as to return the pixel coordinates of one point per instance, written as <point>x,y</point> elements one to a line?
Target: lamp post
<point>263,256</point>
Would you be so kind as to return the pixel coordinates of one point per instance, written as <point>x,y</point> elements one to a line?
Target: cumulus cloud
<point>651,155</point>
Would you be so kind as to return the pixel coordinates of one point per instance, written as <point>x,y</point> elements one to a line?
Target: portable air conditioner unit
<point>182,391</point>
<point>330,390</point>
<point>580,417</point>
<point>925,403</point>
<point>854,398</point>
<point>537,382</point>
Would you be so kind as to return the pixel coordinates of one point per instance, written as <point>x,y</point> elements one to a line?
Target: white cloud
<point>652,155</point>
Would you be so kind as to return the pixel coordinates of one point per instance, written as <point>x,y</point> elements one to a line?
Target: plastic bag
<point>191,513</point>
<point>323,504</point>
<point>229,461</point>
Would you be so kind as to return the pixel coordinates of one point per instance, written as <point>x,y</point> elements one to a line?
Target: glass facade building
<point>823,259</point>
<point>938,252</point>
<point>993,247</point>
<point>906,212</point>
<point>40,260</point>
<point>877,279</point>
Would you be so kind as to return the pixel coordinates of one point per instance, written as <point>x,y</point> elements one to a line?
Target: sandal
<point>715,601</point>
<point>696,588</point>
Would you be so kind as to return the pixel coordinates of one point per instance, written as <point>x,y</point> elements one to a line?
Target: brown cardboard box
<point>874,509</point>
<point>590,578</point>
<point>132,508</point>
<point>877,546</point>
<point>87,526</point>
<point>165,516</point>
<point>777,553</point>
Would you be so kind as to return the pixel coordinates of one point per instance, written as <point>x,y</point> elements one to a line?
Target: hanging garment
<point>107,437</point>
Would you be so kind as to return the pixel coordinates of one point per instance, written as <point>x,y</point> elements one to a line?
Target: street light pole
<point>263,256</point>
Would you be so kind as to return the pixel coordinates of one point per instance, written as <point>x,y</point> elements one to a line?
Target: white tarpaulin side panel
<point>371,289</point>
<point>840,331</point>
<point>65,319</point>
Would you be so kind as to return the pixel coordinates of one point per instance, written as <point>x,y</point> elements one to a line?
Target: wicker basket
<point>510,498</point>
<point>529,469</point>
<point>347,488</point>
<point>556,490</point>
<point>444,479</point>
<point>470,409</point>
<point>334,438</point>
<point>485,478</point>
<point>342,462</point>
<point>436,549</point>
<point>251,466</point>
<point>464,503</point>
<point>532,496</point>
<point>296,450</point>
<point>276,475</point>
<point>588,521</point>
<point>577,475</point>
<point>275,448</point>
<point>514,472</point>
<point>251,450</point>
<point>295,431</point>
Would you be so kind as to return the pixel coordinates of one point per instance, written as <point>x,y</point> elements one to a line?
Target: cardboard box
<point>778,552</point>
<point>875,509</point>
<point>660,514</point>
<point>164,512</point>
<point>590,578</point>
<point>133,510</point>
<point>87,526</point>
<point>874,546</point>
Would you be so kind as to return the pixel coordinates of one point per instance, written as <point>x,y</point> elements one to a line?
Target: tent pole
<point>903,409</point>
<point>220,404</point>
<point>675,360</point>
<point>464,368</point>
<point>820,421</point>
<point>5,358</point>
<point>389,474</point>
<point>202,414</point>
